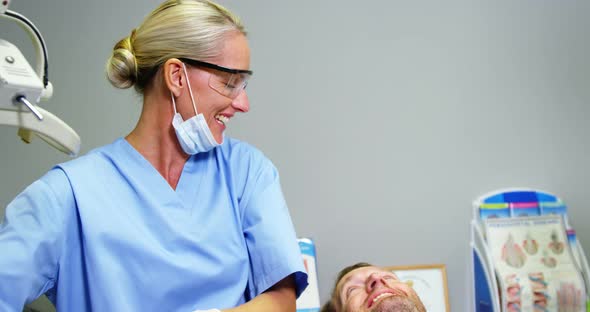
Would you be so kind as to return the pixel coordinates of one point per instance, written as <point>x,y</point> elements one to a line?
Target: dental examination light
<point>21,88</point>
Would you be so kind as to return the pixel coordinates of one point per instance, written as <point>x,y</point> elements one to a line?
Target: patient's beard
<point>398,304</point>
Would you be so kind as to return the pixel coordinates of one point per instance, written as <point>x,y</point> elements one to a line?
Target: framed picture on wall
<point>430,283</point>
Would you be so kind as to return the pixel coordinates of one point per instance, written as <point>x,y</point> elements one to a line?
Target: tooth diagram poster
<point>534,264</point>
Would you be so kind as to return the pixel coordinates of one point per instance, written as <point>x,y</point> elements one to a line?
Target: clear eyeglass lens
<point>229,85</point>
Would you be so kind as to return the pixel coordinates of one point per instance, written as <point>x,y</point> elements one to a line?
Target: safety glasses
<point>229,82</point>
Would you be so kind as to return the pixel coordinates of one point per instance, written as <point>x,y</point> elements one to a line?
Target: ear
<point>174,76</point>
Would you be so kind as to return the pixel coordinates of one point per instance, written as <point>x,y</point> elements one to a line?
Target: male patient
<point>364,287</point>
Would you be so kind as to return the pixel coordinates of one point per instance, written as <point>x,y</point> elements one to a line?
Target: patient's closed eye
<point>350,290</point>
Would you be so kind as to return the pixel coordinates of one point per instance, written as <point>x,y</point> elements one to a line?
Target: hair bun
<point>122,66</point>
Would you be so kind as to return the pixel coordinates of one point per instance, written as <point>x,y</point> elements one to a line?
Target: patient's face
<point>375,290</point>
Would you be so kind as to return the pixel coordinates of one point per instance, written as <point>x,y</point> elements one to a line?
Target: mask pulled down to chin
<point>193,134</point>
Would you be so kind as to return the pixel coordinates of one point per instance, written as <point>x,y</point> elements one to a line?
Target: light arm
<point>19,86</point>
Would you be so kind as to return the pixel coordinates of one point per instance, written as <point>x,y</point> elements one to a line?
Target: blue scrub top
<point>106,232</point>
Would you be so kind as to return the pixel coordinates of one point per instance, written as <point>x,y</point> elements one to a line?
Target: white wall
<point>385,118</point>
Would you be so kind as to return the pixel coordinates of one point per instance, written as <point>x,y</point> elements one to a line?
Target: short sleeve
<point>270,237</point>
<point>31,239</point>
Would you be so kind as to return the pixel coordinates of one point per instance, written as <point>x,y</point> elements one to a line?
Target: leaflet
<point>535,266</point>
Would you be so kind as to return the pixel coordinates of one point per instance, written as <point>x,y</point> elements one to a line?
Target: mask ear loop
<point>173,103</point>
<point>190,91</point>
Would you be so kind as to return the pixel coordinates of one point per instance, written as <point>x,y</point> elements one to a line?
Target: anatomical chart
<point>534,264</point>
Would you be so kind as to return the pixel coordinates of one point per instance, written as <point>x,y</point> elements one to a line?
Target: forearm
<point>280,297</point>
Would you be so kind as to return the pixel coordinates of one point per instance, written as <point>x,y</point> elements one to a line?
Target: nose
<point>373,281</point>
<point>241,103</point>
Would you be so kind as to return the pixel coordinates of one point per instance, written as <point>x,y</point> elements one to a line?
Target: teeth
<point>381,296</point>
<point>222,118</point>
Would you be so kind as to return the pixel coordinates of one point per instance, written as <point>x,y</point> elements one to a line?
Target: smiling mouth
<point>381,296</point>
<point>385,295</point>
<point>222,119</point>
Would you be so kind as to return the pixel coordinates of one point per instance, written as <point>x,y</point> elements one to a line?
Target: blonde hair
<point>176,29</point>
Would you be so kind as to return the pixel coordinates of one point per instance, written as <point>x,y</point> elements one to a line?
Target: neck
<point>155,139</point>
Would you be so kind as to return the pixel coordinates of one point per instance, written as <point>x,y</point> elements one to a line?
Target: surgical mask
<point>194,134</point>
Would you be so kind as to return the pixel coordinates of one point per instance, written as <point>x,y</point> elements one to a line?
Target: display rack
<point>309,300</point>
<point>518,260</point>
